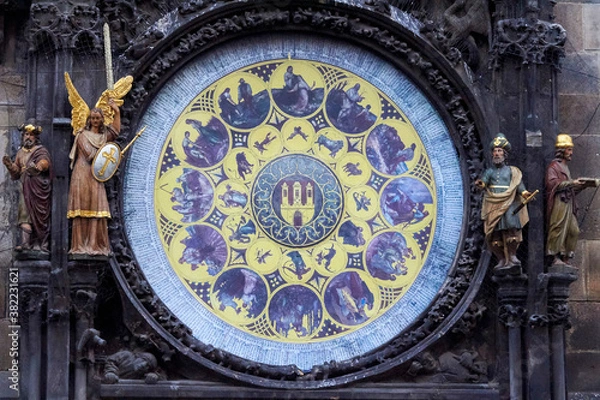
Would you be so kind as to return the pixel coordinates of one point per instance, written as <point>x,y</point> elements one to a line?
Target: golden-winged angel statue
<point>94,131</point>
<point>81,111</point>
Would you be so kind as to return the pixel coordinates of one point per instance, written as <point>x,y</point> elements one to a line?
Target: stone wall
<point>579,88</point>
<point>579,109</point>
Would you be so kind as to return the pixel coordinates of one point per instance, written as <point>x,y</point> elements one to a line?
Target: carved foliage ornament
<point>470,319</point>
<point>559,314</point>
<point>65,28</point>
<point>462,122</point>
<point>125,20</point>
<point>531,40</point>
<point>512,316</point>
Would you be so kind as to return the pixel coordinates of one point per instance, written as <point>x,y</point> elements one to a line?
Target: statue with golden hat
<point>561,208</point>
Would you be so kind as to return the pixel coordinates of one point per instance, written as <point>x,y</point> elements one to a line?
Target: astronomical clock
<point>294,201</point>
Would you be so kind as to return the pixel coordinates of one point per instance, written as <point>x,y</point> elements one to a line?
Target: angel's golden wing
<point>122,87</point>
<point>80,111</point>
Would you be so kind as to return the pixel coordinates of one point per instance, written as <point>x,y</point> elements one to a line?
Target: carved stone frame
<point>195,29</point>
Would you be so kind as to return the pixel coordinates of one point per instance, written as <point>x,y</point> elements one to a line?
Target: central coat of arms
<point>297,200</point>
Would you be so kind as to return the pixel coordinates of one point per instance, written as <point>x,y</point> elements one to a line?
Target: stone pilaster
<point>83,276</point>
<point>512,299</point>
<point>559,320</point>
<point>34,276</point>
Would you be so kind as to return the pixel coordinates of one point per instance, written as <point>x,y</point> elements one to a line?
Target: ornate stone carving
<point>65,28</point>
<point>465,18</point>
<point>126,364</point>
<point>124,18</point>
<point>538,320</point>
<point>194,6</point>
<point>531,40</point>
<point>464,27</point>
<point>144,44</point>
<point>84,17</point>
<point>558,296</point>
<point>512,316</point>
<point>151,341</point>
<point>423,364</point>
<point>33,300</point>
<point>380,6</point>
<point>462,121</point>
<point>470,319</point>
<point>84,303</point>
<point>559,314</point>
<point>459,367</point>
<point>89,340</point>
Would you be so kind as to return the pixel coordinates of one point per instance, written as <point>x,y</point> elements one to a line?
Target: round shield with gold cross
<point>106,161</point>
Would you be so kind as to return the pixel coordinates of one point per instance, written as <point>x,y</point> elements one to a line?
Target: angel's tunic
<point>88,205</point>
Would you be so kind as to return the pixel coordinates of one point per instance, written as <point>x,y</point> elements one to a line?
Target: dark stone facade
<point>493,69</point>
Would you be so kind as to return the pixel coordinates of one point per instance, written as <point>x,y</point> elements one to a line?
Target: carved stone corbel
<point>558,297</point>
<point>33,277</point>
<point>512,297</point>
<point>559,314</point>
<point>512,316</point>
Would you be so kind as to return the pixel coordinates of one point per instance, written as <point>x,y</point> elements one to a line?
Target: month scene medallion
<point>296,203</point>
